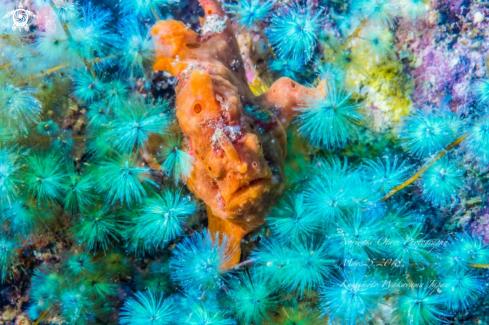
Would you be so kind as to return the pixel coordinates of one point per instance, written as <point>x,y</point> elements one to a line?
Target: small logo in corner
<point>20,17</point>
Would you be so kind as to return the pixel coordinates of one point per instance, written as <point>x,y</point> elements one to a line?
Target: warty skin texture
<point>238,140</point>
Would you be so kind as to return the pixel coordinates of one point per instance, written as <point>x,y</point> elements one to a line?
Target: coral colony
<point>244,162</point>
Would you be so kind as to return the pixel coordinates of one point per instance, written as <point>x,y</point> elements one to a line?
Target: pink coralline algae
<point>444,59</point>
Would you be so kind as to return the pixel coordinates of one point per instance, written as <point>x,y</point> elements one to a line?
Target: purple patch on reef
<point>480,226</point>
<point>442,73</point>
<point>452,8</point>
<point>442,63</point>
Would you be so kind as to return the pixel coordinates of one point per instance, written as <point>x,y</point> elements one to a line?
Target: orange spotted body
<point>238,140</point>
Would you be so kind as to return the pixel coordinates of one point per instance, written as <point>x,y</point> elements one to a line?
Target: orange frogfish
<point>238,140</point>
